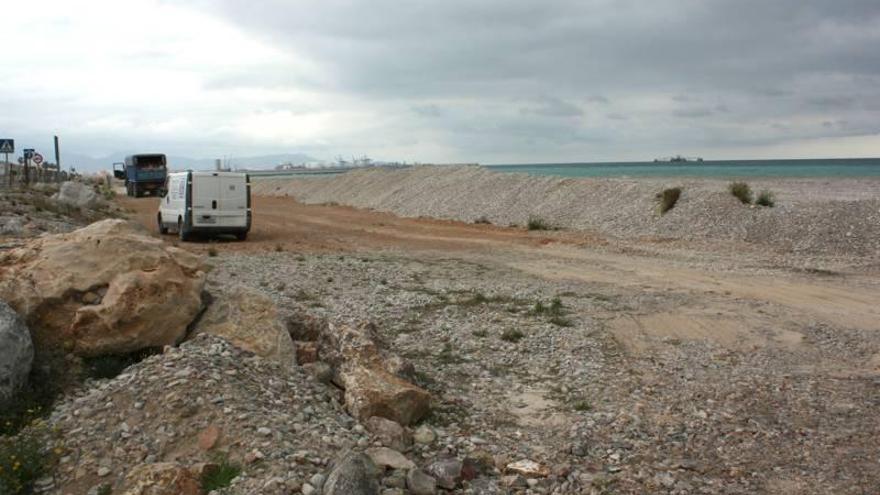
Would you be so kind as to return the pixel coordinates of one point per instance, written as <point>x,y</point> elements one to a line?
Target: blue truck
<point>143,174</point>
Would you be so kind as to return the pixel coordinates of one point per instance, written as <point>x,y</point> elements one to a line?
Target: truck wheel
<point>241,236</point>
<point>127,189</point>
<point>182,231</point>
<point>135,192</point>
<point>162,228</point>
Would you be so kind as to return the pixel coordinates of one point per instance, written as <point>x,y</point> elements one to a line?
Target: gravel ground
<point>690,416</point>
<point>811,216</point>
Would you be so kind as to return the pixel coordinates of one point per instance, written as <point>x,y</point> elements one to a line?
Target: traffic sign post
<point>28,154</point>
<point>7,146</point>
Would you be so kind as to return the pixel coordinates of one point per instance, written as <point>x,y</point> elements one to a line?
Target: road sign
<point>7,146</point>
<point>28,153</point>
<point>38,158</point>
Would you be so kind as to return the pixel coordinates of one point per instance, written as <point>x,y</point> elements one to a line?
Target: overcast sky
<point>491,81</point>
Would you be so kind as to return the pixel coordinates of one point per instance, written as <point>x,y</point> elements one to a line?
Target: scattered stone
<point>355,474</point>
<point>389,433</point>
<point>419,483</point>
<point>528,468</point>
<point>208,437</point>
<point>424,434</point>
<point>447,472</point>
<point>163,478</point>
<point>383,457</point>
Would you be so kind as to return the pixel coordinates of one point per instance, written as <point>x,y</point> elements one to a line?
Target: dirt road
<point>718,304</point>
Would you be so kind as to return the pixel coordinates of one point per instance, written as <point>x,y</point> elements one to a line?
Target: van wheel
<point>162,228</point>
<point>182,231</point>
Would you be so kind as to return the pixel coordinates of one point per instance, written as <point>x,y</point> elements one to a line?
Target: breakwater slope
<point>810,216</point>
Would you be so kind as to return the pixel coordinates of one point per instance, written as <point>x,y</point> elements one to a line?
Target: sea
<point>830,168</point>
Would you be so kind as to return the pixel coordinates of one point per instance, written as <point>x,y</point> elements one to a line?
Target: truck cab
<point>210,203</point>
<point>143,174</point>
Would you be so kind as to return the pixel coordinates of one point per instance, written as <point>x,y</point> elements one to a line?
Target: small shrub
<point>222,476</point>
<point>34,401</point>
<point>582,406</point>
<point>212,251</point>
<point>560,321</point>
<point>555,306</point>
<point>476,299</point>
<point>668,198</point>
<point>480,333</point>
<point>512,335</point>
<point>765,198</point>
<point>554,309</point>
<point>448,355</point>
<point>279,248</point>
<point>536,223</point>
<point>483,220</point>
<point>742,191</point>
<point>23,461</point>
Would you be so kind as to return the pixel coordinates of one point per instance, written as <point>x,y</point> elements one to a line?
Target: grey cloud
<point>428,110</point>
<point>549,106</point>
<point>693,113</point>
<point>676,65</point>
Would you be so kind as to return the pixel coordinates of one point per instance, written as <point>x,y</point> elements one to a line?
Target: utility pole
<point>57,161</point>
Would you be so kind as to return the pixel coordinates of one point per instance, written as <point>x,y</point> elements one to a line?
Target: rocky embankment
<point>808,217</point>
<point>275,403</point>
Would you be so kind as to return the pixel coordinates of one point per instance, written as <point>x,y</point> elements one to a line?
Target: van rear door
<point>205,199</point>
<point>233,200</point>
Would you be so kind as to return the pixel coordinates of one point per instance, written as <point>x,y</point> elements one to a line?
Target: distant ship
<point>678,159</point>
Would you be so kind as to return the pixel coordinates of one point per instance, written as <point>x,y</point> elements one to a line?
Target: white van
<point>206,202</point>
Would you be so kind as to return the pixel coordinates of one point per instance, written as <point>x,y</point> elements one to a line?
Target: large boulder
<point>362,370</point>
<point>79,195</point>
<point>372,391</point>
<point>16,352</point>
<point>355,474</point>
<point>108,288</point>
<point>250,321</point>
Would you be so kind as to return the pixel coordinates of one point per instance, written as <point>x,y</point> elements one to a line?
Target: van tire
<point>182,231</point>
<point>162,228</point>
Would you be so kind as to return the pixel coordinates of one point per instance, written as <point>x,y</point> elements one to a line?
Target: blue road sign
<point>28,153</point>
<point>7,145</point>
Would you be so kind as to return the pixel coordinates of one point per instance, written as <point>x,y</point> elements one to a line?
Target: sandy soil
<point>720,296</point>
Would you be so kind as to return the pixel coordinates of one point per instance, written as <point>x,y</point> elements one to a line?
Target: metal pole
<point>58,159</point>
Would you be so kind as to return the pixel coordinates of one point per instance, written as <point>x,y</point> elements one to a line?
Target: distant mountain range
<point>85,163</point>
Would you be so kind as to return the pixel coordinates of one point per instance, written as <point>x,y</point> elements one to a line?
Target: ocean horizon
<point>794,168</point>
